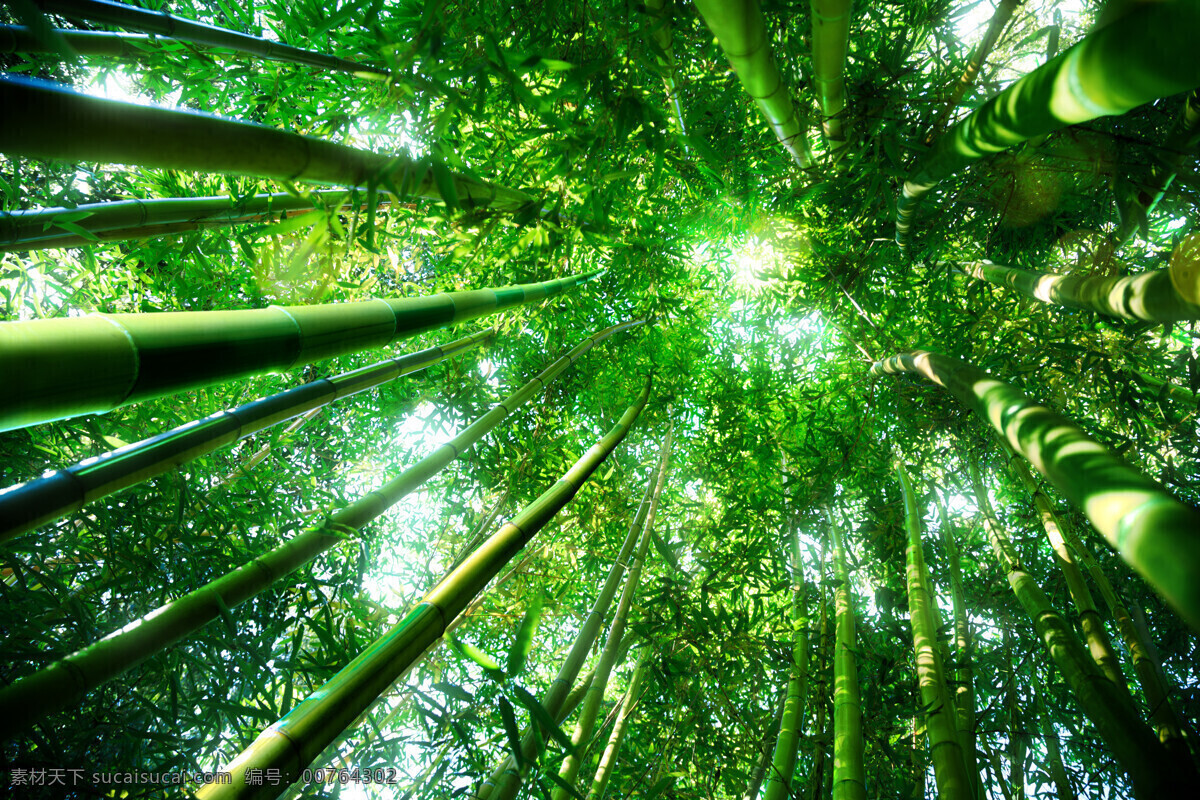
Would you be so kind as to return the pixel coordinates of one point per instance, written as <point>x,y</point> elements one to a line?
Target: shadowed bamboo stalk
<point>162,23</point>
<point>1058,772</point>
<point>29,505</point>
<point>506,784</point>
<point>781,783</point>
<point>20,39</point>
<point>612,751</point>
<point>1152,771</point>
<point>1018,737</point>
<point>849,776</point>
<point>56,686</point>
<point>1150,296</point>
<point>58,368</point>
<point>742,34</point>
<point>1150,54</point>
<point>291,744</point>
<point>949,768</point>
<point>822,736</point>
<point>1000,19</point>
<point>1155,533</point>
<point>964,676</point>
<point>660,31</point>
<point>586,722</point>
<point>830,39</point>
<point>759,773</point>
<point>47,120</point>
<point>98,223</point>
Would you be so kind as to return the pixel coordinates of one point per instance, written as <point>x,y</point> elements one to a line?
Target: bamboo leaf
<point>519,652</point>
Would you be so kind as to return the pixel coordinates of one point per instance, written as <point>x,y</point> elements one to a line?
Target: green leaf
<point>475,654</point>
<point>512,732</point>
<point>543,718</point>
<point>519,652</point>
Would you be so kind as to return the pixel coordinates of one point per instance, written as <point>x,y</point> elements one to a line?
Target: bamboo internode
<point>831,38</point>
<point>849,772</point>
<point>59,368</point>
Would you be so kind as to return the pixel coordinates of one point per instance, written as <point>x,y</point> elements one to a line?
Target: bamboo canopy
<point>1157,296</point>
<point>34,503</point>
<point>742,34</point>
<point>1156,534</point>
<point>1150,54</point>
<point>59,368</point>
<point>164,24</point>
<point>47,120</point>
<point>292,743</point>
<point>54,687</point>
<point>831,37</point>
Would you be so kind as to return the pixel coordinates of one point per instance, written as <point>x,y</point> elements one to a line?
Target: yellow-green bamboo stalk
<point>1156,534</point>
<point>33,696</point>
<point>58,368</point>
<point>1152,771</point>
<point>742,34</point>
<point>1000,19</point>
<point>964,674</point>
<point>164,24</point>
<point>780,783</point>
<point>47,120</point>
<point>1058,772</point>
<point>849,775</point>
<point>612,750</point>
<point>29,505</point>
<point>949,768</point>
<point>1095,636</point>
<point>1150,54</point>
<point>291,744</point>
<point>830,39</point>
<point>1152,296</point>
<point>98,223</point>
<point>765,749</point>
<point>660,31</point>
<point>586,722</point>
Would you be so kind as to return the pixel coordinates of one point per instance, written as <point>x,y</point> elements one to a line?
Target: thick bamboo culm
<point>945,748</point>
<point>742,34</point>
<point>1151,296</point>
<point>1155,533</point>
<point>164,24</point>
<point>59,368</point>
<point>31,504</point>
<point>40,229</point>
<point>292,743</point>
<point>1150,54</point>
<point>48,120</point>
<point>849,772</point>
<point>56,686</point>
<point>830,40</point>
<point>1153,772</point>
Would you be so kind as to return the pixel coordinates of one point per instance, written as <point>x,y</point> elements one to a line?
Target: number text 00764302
<point>348,776</point>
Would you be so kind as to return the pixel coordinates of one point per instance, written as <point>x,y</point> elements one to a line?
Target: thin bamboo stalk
<point>165,24</point>
<point>765,750</point>
<point>1152,771</point>
<point>29,505</point>
<point>822,738</point>
<point>20,39</point>
<point>47,120</point>
<point>586,722</point>
<point>830,39</point>
<point>1000,19</point>
<point>29,698</point>
<point>1150,296</point>
<point>1018,738</point>
<point>1156,534</point>
<point>781,783</point>
<point>660,31</point>
<point>949,768</point>
<point>58,368</point>
<point>291,744</point>
<point>1058,772</point>
<point>742,34</point>
<point>43,228</point>
<point>1151,54</point>
<point>612,751</point>
<point>849,775</point>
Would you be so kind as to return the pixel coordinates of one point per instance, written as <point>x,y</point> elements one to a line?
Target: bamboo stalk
<point>1155,533</point>
<point>1018,738</point>
<point>822,738</point>
<point>949,768</point>
<point>568,773</point>
<point>1152,772</point>
<point>742,34</point>
<point>765,751</point>
<point>47,120</point>
<point>830,39</point>
<point>849,776</point>
<point>58,368</point>
<point>32,697</point>
<point>660,31</point>
<point>165,24</point>
<point>783,764</point>
<point>1151,54</point>
<point>291,744</point>
<point>1150,296</point>
<point>1058,772</point>
<point>29,505</point>
<point>608,760</point>
<point>43,229</point>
